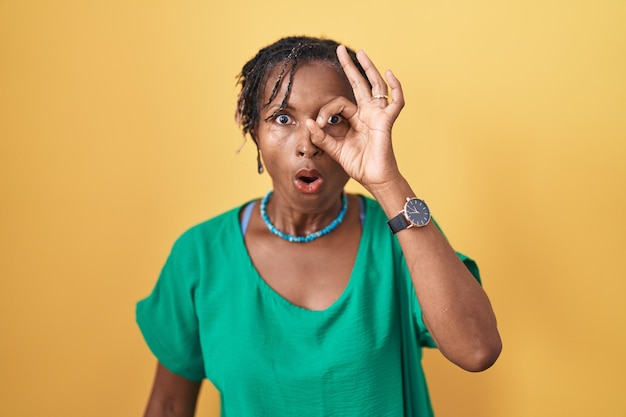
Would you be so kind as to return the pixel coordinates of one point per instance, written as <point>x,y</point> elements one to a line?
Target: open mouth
<point>308,181</point>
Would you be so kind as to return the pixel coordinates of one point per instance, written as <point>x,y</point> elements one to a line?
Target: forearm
<point>172,395</point>
<point>455,308</point>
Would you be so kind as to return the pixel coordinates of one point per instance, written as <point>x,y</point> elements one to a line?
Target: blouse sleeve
<point>167,317</point>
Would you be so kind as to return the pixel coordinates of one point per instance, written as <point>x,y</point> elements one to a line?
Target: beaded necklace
<point>310,237</point>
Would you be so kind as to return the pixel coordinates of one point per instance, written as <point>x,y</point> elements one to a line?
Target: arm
<point>456,310</point>
<point>172,395</point>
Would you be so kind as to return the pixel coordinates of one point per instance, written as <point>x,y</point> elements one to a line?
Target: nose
<point>304,147</point>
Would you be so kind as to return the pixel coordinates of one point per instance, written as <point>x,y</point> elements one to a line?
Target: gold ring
<point>381,96</point>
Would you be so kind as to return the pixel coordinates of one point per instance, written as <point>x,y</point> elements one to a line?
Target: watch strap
<point>398,223</point>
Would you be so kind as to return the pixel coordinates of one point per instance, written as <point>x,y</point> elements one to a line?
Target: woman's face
<point>302,174</point>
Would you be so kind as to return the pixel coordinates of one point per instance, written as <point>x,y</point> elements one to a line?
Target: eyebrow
<point>274,107</point>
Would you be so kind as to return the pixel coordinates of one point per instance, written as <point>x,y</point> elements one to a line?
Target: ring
<point>381,96</point>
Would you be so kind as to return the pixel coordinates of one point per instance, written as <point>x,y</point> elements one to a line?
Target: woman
<point>312,302</point>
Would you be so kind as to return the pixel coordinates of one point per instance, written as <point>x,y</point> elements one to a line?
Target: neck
<point>301,227</point>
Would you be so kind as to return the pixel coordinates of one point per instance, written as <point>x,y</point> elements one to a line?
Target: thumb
<point>323,140</point>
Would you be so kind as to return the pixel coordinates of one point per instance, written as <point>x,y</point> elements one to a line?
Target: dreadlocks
<point>286,53</point>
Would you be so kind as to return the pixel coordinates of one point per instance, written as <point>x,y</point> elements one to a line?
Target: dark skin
<point>172,395</point>
<point>358,145</point>
<point>295,272</point>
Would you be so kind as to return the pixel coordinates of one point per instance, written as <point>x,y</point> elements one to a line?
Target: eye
<point>335,119</point>
<point>283,119</point>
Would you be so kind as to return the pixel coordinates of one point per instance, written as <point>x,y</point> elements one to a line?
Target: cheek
<point>338,173</point>
<point>273,148</point>
<point>272,135</point>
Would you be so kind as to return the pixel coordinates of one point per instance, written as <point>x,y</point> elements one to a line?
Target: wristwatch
<point>415,214</point>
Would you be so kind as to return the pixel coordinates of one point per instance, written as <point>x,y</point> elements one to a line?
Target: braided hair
<point>285,53</point>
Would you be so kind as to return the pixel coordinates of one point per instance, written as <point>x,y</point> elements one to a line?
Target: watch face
<point>417,212</point>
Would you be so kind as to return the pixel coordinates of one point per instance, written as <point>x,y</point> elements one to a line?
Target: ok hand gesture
<point>365,152</point>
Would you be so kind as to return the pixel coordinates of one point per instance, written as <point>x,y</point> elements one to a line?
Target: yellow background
<point>117,133</point>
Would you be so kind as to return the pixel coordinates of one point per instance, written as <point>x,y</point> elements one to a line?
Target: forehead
<point>310,79</point>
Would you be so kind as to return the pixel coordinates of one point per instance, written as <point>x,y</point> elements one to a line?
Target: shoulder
<point>375,228</point>
<point>375,217</point>
<point>204,238</point>
<point>372,209</point>
<point>205,232</point>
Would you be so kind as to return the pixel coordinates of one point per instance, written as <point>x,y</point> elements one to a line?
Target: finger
<point>323,140</point>
<point>379,86</point>
<point>359,85</point>
<point>397,95</point>
<point>338,106</point>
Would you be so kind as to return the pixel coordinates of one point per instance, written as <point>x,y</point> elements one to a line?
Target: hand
<point>365,152</point>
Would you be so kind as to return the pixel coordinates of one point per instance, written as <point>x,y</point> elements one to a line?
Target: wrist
<point>392,195</point>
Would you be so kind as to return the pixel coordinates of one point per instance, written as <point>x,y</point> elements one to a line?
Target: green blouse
<point>212,316</point>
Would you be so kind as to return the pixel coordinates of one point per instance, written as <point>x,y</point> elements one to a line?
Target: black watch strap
<point>398,223</point>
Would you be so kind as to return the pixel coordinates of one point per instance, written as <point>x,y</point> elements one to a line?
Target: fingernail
<point>319,120</point>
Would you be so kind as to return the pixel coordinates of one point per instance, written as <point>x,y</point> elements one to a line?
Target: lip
<point>308,181</point>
